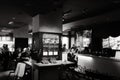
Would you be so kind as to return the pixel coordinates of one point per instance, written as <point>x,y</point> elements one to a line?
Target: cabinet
<point>47,44</point>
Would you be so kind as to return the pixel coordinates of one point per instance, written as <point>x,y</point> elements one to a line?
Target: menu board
<point>83,38</point>
<point>105,43</point>
<point>112,42</point>
<point>50,44</point>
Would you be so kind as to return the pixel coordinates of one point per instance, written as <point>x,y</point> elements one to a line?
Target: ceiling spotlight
<point>63,19</point>
<point>6,30</point>
<point>11,22</point>
<point>13,18</point>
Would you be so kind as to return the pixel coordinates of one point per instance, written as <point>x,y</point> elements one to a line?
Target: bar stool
<point>18,73</point>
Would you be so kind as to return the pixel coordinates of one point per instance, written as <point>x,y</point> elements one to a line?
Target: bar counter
<point>107,65</point>
<point>49,71</point>
<point>58,63</point>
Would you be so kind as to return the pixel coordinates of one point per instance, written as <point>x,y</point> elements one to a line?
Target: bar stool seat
<point>18,73</point>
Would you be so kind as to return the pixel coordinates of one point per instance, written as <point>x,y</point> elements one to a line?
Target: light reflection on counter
<point>89,58</point>
<point>117,55</point>
<point>86,61</point>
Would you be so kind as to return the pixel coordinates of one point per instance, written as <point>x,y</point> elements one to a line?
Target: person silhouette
<point>64,48</point>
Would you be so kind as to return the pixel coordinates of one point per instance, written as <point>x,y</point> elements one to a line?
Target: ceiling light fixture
<point>11,22</point>
<point>13,18</point>
<point>6,31</point>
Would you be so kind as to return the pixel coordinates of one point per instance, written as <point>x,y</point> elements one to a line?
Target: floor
<point>110,65</point>
<point>4,75</point>
<point>66,76</point>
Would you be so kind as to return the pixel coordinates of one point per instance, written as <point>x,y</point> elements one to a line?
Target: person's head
<point>5,46</point>
<point>19,49</point>
<point>64,45</point>
<point>72,50</point>
<point>25,50</point>
<point>73,45</point>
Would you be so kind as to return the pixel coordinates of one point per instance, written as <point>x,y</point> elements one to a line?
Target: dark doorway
<point>21,43</point>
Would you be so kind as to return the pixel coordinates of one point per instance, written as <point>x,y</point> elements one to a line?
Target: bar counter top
<point>50,71</point>
<point>100,57</point>
<point>59,62</point>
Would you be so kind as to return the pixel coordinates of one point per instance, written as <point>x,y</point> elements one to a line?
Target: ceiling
<point>33,7</point>
<point>11,18</point>
<point>18,13</point>
<point>81,9</point>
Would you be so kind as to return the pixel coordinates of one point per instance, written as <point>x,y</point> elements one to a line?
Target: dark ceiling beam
<point>93,13</point>
<point>12,26</point>
<point>34,7</point>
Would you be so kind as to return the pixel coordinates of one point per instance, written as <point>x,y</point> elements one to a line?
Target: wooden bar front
<point>49,71</point>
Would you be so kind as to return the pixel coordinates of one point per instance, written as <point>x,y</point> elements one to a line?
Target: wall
<point>21,32</point>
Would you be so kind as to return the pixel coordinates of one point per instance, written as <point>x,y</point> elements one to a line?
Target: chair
<point>18,73</point>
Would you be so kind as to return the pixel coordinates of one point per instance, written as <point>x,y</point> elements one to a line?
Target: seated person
<point>74,47</point>
<point>25,55</point>
<point>17,54</point>
<point>6,55</point>
<point>72,57</point>
<point>78,50</point>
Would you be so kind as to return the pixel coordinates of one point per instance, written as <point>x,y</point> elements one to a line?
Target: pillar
<point>47,31</point>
